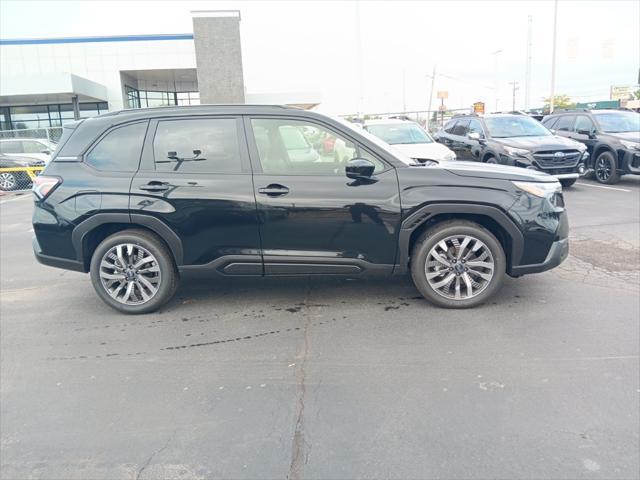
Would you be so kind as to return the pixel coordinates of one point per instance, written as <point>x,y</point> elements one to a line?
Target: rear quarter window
<point>119,150</point>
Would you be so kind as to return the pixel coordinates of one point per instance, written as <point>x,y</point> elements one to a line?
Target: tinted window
<point>475,127</point>
<point>514,126</point>
<point>33,147</point>
<point>461,128</point>
<point>11,147</point>
<point>564,123</point>
<point>202,145</point>
<point>583,123</point>
<point>399,133</point>
<point>617,122</point>
<point>450,126</point>
<point>119,150</point>
<point>550,122</point>
<point>291,147</point>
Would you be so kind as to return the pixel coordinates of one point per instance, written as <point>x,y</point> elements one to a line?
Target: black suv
<point>140,196</point>
<point>516,140</point>
<point>611,136</point>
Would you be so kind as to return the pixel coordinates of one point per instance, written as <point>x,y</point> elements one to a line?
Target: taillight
<point>43,186</point>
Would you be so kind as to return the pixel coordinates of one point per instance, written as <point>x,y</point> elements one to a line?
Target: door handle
<point>155,187</point>
<point>274,190</point>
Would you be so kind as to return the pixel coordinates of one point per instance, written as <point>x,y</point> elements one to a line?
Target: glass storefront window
<point>44,116</point>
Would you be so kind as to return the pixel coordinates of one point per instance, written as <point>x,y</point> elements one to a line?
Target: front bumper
<point>557,254</point>
<point>631,162</point>
<point>561,172</point>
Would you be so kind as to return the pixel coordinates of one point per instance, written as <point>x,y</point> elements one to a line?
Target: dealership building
<point>46,82</point>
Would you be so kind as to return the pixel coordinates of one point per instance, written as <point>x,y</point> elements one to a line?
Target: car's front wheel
<point>458,264</point>
<point>605,169</point>
<point>133,272</point>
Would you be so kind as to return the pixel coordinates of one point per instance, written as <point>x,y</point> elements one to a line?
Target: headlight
<point>630,145</point>
<point>449,156</point>
<point>539,189</point>
<point>517,151</point>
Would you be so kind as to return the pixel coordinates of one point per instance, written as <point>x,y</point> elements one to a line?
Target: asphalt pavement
<point>325,378</point>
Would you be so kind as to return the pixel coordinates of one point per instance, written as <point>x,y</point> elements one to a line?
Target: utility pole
<point>404,90</point>
<point>553,57</point>
<point>495,75</point>
<point>527,75</point>
<point>433,81</point>
<point>514,84</point>
<point>360,75</point>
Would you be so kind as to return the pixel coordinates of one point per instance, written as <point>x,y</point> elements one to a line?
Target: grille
<point>551,159</point>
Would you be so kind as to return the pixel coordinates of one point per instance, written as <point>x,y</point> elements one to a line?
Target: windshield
<point>505,127</point>
<point>617,122</point>
<point>375,140</point>
<point>400,133</point>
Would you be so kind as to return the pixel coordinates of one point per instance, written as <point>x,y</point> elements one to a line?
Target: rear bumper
<point>57,262</point>
<point>557,254</point>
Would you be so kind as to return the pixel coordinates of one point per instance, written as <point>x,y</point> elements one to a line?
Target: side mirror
<point>588,133</point>
<point>358,168</point>
<point>46,152</point>
<point>474,136</point>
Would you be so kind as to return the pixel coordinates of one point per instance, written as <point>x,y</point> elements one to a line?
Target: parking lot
<point>329,378</point>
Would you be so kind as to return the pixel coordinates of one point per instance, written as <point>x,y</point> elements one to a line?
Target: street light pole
<point>433,81</point>
<point>495,75</point>
<point>514,84</point>
<point>553,57</point>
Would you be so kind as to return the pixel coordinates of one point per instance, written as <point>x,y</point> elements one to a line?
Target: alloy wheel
<point>7,181</point>
<point>459,267</point>
<point>603,169</point>
<point>130,274</point>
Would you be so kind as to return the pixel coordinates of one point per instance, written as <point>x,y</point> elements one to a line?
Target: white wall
<point>100,62</point>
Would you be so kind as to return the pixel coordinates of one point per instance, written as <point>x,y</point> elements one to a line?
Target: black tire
<point>567,182</point>
<point>491,159</point>
<point>8,181</point>
<point>605,168</point>
<point>168,272</point>
<point>443,231</point>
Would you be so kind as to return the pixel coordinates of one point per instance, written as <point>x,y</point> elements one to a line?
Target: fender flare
<point>418,218</point>
<point>152,223</point>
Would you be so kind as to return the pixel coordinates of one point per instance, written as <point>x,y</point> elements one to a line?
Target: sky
<point>378,56</point>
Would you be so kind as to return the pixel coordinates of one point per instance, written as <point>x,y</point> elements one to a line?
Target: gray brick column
<point>218,56</point>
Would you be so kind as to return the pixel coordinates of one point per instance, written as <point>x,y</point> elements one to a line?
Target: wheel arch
<point>491,218</point>
<point>87,235</point>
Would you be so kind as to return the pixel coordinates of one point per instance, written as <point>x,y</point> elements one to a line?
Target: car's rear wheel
<point>605,169</point>
<point>8,181</point>
<point>133,272</point>
<point>567,182</point>
<point>458,264</point>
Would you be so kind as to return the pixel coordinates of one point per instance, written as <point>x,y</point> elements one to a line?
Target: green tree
<point>559,101</point>
<point>637,94</point>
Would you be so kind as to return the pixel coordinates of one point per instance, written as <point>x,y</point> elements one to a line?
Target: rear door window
<point>197,145</point>
<point>119,150</point>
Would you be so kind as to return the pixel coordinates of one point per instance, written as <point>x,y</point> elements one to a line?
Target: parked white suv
<point>410,139</point>
<point>37,148</point>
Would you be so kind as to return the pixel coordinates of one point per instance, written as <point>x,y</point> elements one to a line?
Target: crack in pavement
<point>151,457</point>
<point>298,454</point>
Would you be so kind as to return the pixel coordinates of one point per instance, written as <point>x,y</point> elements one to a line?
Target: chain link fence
<point>17,178</point>
<point>51,134</point>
